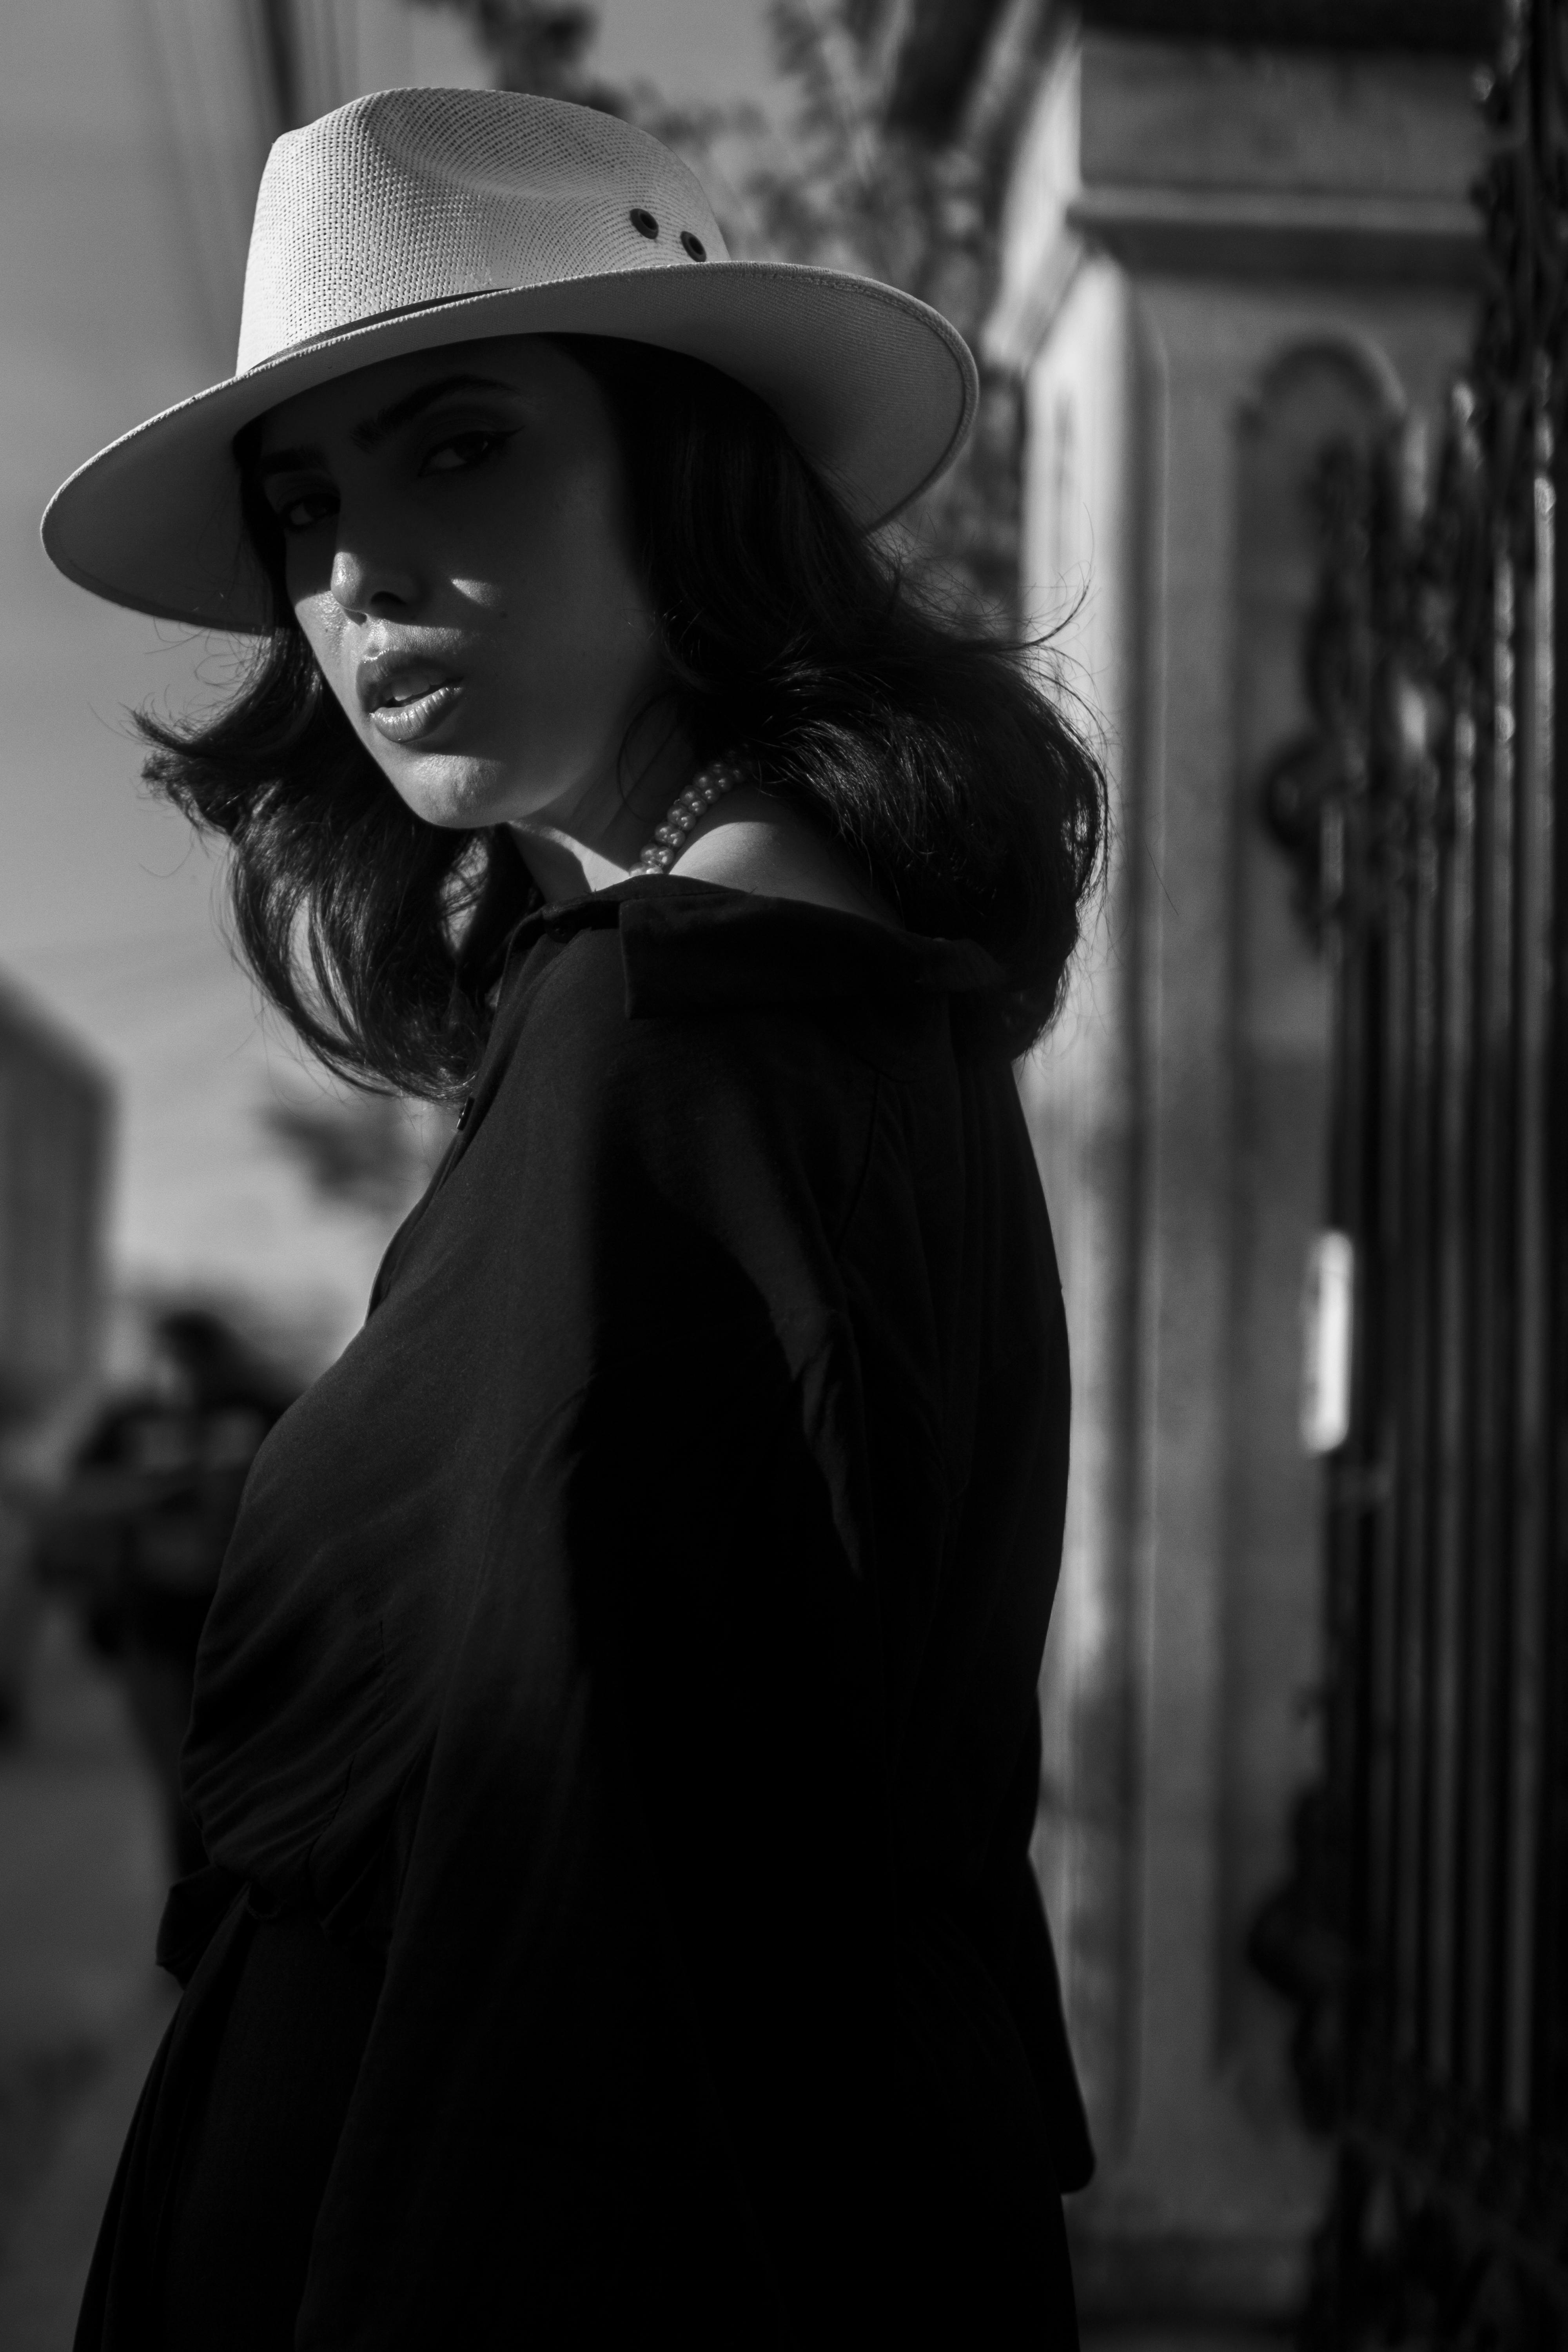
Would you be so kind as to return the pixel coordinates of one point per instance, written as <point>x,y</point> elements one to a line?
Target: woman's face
<point>458,555</point>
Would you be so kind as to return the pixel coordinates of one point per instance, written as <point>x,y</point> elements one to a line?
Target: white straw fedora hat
<point>416,217</point>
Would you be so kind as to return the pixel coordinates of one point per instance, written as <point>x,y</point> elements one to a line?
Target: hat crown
<point>410,197</point>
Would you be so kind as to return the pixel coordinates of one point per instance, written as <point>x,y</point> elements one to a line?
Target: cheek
<point>569,567</point>
<point>321,620</point>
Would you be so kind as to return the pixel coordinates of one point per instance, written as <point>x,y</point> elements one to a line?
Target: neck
<point>596,841</point>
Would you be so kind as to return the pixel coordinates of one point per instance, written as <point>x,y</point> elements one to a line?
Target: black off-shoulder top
<point>624,1671</point>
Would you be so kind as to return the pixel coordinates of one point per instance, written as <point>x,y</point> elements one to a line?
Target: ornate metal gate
<point>1427,1934</point>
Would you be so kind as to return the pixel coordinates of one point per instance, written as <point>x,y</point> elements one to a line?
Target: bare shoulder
<point>754,842</point>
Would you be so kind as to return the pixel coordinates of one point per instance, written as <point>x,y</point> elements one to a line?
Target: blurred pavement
<point>81,2005</point>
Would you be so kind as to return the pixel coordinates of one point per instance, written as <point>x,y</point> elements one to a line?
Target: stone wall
<point>1216,259</point>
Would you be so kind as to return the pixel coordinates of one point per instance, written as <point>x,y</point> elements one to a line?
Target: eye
<point>459,452</point>
<point>304,510</point>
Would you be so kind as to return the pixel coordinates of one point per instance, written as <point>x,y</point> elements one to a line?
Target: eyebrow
<point>374,430</point>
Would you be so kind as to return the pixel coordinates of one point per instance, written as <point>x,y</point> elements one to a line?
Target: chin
<point>460,795</point>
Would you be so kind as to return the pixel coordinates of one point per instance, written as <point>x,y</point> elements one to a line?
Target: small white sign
<point>1329,1326</point>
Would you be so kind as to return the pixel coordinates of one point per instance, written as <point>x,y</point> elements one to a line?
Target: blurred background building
<point>55,1133</point>
<point>1197,242</point>
<point>1231,236</point>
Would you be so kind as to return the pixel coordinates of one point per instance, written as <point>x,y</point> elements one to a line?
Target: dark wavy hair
<point>791,641</point>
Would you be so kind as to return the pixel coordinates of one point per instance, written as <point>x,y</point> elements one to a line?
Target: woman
<point>615,1733</point>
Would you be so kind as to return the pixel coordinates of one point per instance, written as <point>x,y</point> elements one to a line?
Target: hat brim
<point>877,389</point>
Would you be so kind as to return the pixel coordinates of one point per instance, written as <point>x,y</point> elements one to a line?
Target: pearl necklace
<point>709,784</point>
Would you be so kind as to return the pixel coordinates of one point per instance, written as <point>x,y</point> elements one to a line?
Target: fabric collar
<point>687,944</point>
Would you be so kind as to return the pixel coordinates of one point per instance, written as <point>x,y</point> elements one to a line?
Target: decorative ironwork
<point>1425,1936</point>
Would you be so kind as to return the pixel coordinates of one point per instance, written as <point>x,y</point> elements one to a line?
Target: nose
<point>366,584</point>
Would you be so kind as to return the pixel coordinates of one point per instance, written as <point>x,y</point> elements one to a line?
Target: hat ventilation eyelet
<point>643,222</point>
<point>694,245</point>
